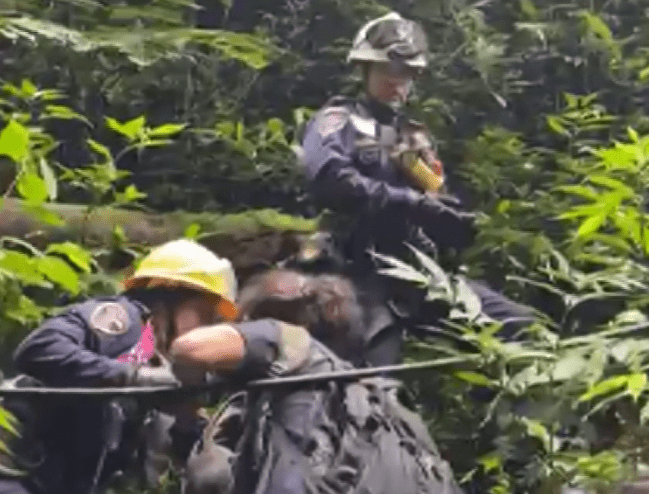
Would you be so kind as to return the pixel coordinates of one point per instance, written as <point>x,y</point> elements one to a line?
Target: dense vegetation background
<point>539,111</point>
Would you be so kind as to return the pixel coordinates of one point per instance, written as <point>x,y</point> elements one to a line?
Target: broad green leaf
<point>49,178</point>
<point>633,135</point>
<point>605,387</point>
<point>32,188</point>
<point>115,125</point>
<point>620,157</point>
<point>22,267</point>
<point>537,429</point>
<point>591,225</point>
<point>27,88</point>
<point>14,141</point>
<point>25,312</point>
<point>76,254</point>
<point>59,272</point>
<point>166,130</point>
<point>637,384</point>
<point>474,378</point>
<point>490,462</point>
<point>133,128</point>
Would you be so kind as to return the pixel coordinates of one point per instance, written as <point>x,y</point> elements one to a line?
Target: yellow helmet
<point>186,263</point>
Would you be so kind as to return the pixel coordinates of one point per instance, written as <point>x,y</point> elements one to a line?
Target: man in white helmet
<point>377,169</point>
<point>114,341</point>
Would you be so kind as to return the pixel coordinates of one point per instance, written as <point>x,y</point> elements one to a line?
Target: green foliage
<point>538,109</point>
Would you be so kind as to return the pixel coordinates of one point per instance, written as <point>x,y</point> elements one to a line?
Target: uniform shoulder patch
<point>331,120</point>
<point>109,319</point>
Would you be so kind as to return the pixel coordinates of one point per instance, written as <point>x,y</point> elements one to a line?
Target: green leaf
<point>633,135</point>
<point>59,272</point>
<point>644,74</point>
<point>22,267</point>
<point>43,214</point>
<point>605,387</point>
<point>404,274</point>
<point>65,113</point>
<point>49,95</point>
<point>130,194</point>
<point>115,125</point>
<point>490,462</point>
<point>591,225</point>
<point>597,25</point>
<point>27,88</point>
<point>133,128</point>
<point>25,311</point>
<point>49,178</point>
<point>14,141</point>
<point>8,421</point>
<point>76,254</point>
<point>612,183</point>
<point>100,149</point>
<point>166,130</point>
<point>32,188</point>
<point>537,429</point>
<point>556,125</point>
<point>474,378</point>
<point>568,367</point>
<point>578,211</point>
<point>192,230</point>
<point>429,264</point>
<point>637,384</point>
<point>579,190</point>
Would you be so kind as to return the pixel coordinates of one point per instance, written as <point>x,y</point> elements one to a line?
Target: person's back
<point>336,437</point>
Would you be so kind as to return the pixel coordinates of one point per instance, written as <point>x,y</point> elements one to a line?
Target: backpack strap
<point>210,464</point>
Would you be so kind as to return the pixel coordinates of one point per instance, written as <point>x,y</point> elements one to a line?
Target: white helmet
<point>391,38</point>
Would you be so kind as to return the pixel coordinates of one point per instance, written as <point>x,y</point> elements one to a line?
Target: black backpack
<point>352,438</point>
